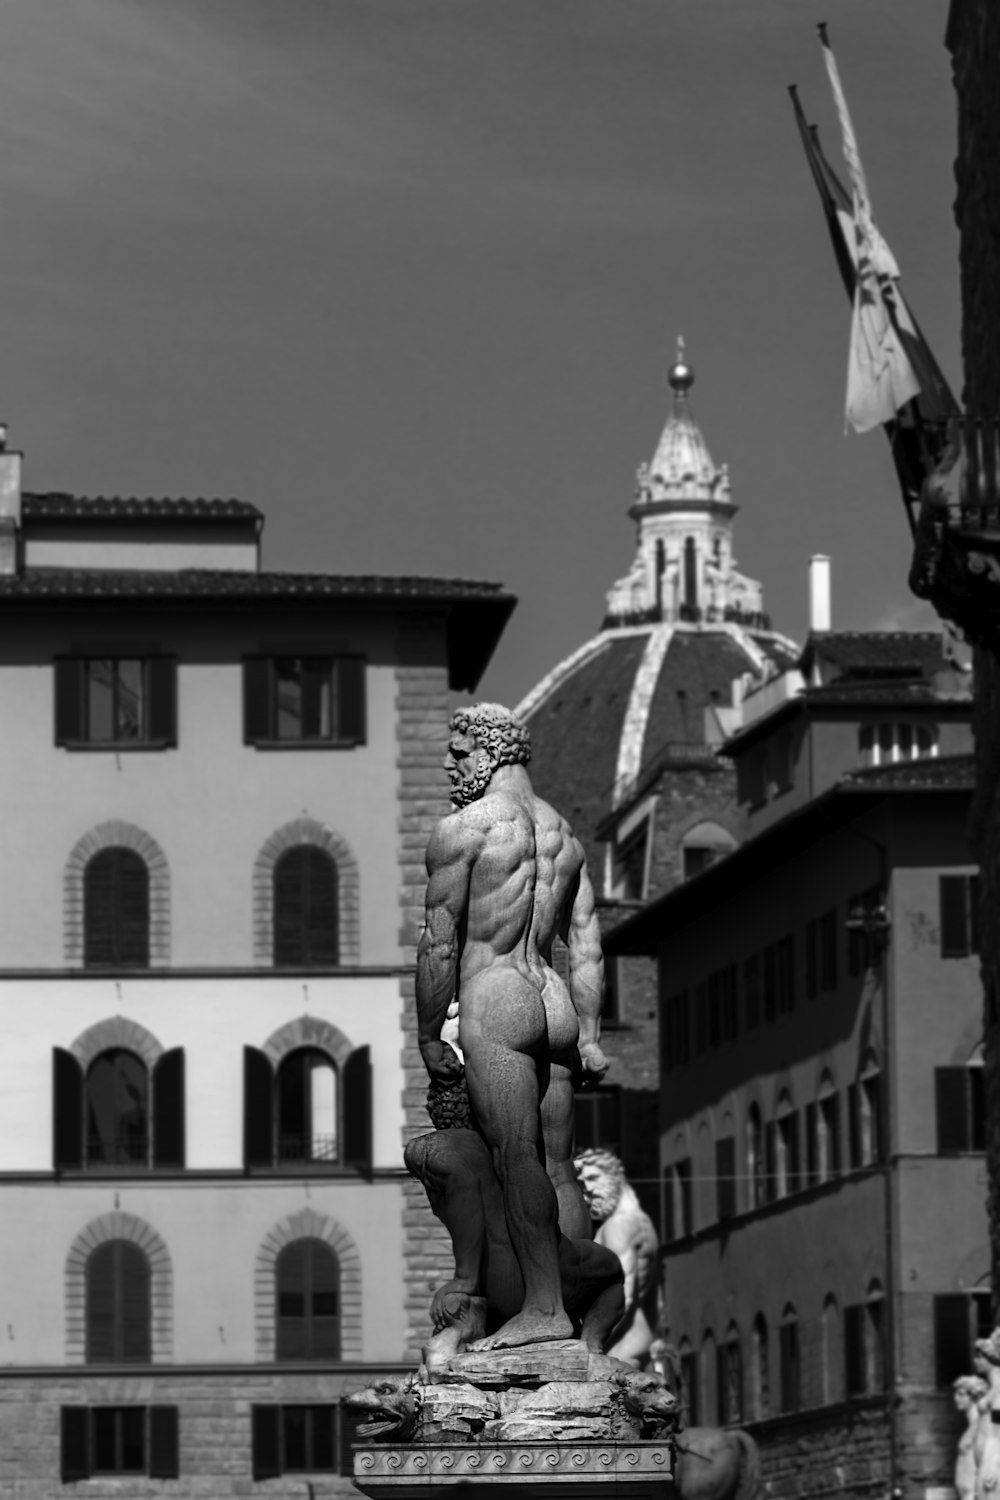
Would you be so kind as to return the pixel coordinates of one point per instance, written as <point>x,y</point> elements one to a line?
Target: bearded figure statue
<point>622,1225</point>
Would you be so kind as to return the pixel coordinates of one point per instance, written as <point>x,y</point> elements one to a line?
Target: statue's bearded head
<point>483,738</point>
<point>601,1177</point>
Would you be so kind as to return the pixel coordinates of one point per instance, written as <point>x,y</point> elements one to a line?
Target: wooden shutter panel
<point>357,1088</point>
<point>954,916</point>
<point>162,687</point>
<point>289,880</point>
<point>168,1109</point>
<point>68,676</point>
<point>258,1109</point>
<point>976,1081</point>
<point>721,1389</point>
<point>854,1123</point>
<point>854,1349</point>
<point>771,1160</point>
<point>952,1337</point>
<point>131,908</point>
<point>99,909</point>
<point>257,723</point>
<point>291,1300</point>
<point>351,699</point>
<point>812,1152</point>
<point>952,1115</point>
<point>348,1423</point>
<point>67,1110</point>
<point>725,1171</point>
<point>265,1427</point>
<point>321,908</point>
<point>324,1301</point>
<point>164,1444</point>
<point>973,898</point>
<point>133,1276</point>
<point>74,1443</point>
<point>836,1155</point>
<point>794,1155</point>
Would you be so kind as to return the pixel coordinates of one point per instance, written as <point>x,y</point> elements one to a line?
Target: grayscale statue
<point>624,1226</point>
<point>970,1392</point>
<point>506,876</point>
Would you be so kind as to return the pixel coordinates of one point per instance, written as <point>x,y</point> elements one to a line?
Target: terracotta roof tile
<point>205,583</point>
<point>948,772</point>
<point>55,505</point>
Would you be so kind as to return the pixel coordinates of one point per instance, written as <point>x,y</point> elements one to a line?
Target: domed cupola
<point>684,570</point>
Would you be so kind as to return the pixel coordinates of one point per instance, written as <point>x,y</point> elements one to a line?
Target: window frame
<point>127,913</point>
<point>958,915</point>
<point>71,674</point>
<point>348,701</point>
<point>960,1109</point>
<point>108,1330</point>
<point>309,1335</point>
<point>269,1438</point>
<point>309,929</point>
<point>78,1440</point>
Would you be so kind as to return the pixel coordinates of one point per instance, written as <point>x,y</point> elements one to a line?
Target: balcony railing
<point>317,1148</point>
<point>956,557</point>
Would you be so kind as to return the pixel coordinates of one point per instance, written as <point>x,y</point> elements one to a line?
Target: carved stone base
<point>591,1469</point>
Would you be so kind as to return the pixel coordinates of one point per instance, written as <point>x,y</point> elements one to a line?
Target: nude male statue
<point>505,876</point>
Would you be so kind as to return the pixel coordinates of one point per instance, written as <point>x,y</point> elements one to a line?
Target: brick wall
<point>422,718</point>
<point>838,1450</point>
<point>974,40</point>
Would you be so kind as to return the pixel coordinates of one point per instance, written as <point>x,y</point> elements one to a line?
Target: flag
<point>880,378</point>
<point>917,431</point>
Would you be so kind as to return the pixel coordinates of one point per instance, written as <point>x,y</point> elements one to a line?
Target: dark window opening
<point>306,895</point>
<point>960,1097</point>
<point>99,1440</point>
<point>118,1307</point>
<point>959,913</point>
<point>307,1102</point>
<point>307,1300</point>
<point>302,700</point>
<point>116,701</point>
<point>116,910</point>
<point>117,1110</point>
<point>597,1124</point>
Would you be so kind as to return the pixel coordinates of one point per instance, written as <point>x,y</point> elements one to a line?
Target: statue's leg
<point>557,1105</point>
<point>503,1089</point>
<point>593,1290</point>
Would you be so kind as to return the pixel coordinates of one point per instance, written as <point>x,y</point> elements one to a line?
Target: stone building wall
<point>974,41</point>
<point>423,715</point>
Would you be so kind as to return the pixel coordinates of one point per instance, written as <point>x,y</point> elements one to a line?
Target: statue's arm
<point>450,856</point>
<point>582,936</point>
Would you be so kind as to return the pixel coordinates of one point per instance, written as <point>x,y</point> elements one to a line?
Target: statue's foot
<point>527,1327</point>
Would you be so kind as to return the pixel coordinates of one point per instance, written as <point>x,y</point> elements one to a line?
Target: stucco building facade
<point>218,784</point>
<point>822,1108</point>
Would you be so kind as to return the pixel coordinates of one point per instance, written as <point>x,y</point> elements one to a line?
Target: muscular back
<point>523,877</point>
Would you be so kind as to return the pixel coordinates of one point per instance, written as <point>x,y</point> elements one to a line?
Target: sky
<point>408,275</point>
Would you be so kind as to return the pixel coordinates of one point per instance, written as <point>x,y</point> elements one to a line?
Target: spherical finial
<point>681,376</point>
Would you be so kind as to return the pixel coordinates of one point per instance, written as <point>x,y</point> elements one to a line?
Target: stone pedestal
<point>579,1469</point>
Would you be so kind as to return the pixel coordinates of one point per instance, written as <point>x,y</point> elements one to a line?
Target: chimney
<point>10,503</point>
<point>819,594</point>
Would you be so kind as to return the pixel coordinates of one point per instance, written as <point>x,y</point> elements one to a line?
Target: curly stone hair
<point>606,1161</point>
<point>504,738</point>
<point>973,1386</point>
<point>448,1104</point>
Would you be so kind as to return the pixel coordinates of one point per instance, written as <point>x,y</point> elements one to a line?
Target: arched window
<point>790,1369</point>
<point>833,1353</point>
<point>708,1369</point>
<point>785,1174</point>
<point>866,1115</point>
<point>118,1308</point>
<point>307,1301</point>
<point>305,907</point>
<point>307,1104</point>
<point>116,1104</point>
<point>703,845</point>
<point>761,1368</point>
<point>827,1131</point>
<point>116,909</point>
<point>690,1406</point>
<point>875,1337</point>
<point>731,1377</point>
<point>756,1172</point>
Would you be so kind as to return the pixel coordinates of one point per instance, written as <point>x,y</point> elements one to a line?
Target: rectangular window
<point>117,702</point>
<point>786,975</point>
<point>676,1030</point>
<point>789,1356</point>
<point>597,1122</point>
<point>304,700</point>
<point>828,950</point>
<point>725,1177</point>
<point>961,1109</point>
<point>730,1004</point>
<point>300,1440</point>
<point>97,1440</point>
<point>812,959</point>
<point>854,1349</point>
<point>701,1019</point>
<point>751,990</point>
<point>959,914</point>
<point>770,981</point>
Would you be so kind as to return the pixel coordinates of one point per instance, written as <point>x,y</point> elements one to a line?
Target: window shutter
<point>973,898</point>
<point>324,1301</point>
<point>721,1385</point>
<point>357,1084</point>
<point>162,681</point>
<point>954,916</point>
<point>794,1152</point>
<point>836,1157</point>
<point>725,1172</point>
<point>977,1107</point>
<point>348,1423</point>
<point>67,1111</point>
<point>952,1337</point>
<point>321,908</point>
<point>100,1304</point>
<point>258,1109</point>
<point>168,1109</point>
<point>131,908</point>
<point>952,1118</point>
<point>265,1427</point>
<point>854,1349</point>
<point>133,1276</point>
<point>164,1445</point>
<point>290,886</point>
<point>351,699</point>
<point>257,702</point>
<point>812,1152</point>
<point>291,1298</point>
<point>854,1124</point>
<point>68,675</point>
<point>74,1444</point>
<point>771,1160</point>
